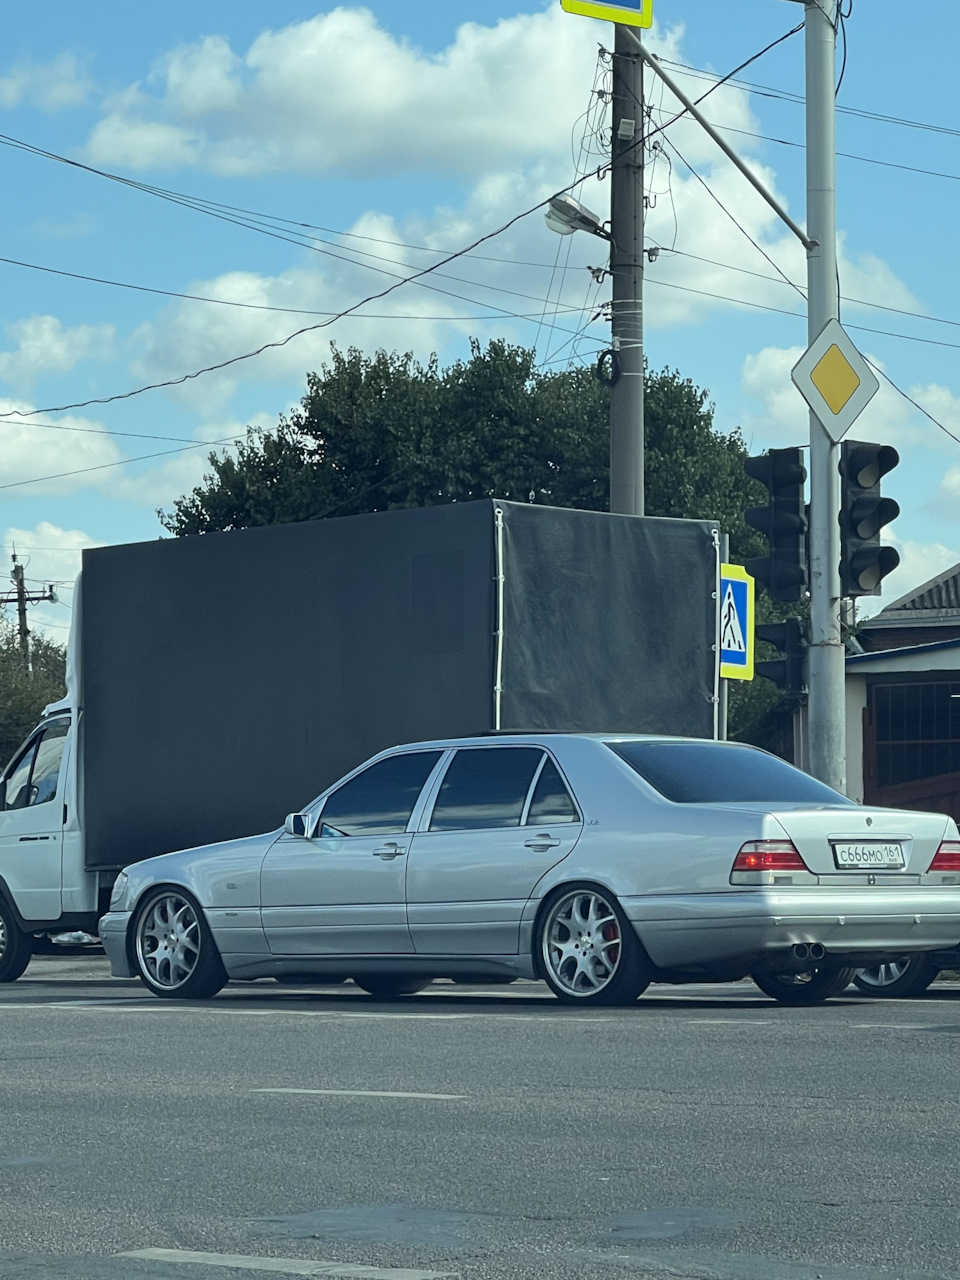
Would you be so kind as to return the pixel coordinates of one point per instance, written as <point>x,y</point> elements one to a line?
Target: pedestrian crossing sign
<point>632,13</point>
<point>737,593</point>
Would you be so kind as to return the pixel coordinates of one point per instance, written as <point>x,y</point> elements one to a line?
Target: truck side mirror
<point>296,825</point>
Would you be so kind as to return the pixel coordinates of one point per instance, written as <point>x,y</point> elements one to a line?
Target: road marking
<point>728,1022</point>
<point>889,1026</point>
<point>284,1266</point>
<point>369,1093</point>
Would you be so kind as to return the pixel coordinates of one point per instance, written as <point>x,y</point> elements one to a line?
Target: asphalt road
<point>482,1133</point>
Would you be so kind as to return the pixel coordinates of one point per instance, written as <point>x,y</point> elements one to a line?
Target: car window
<point>485,787</point>
<point>380,800</point>
<point>46,769</point>
<point>551,801</point>
<point>18,779</point>
<point>718,772</point>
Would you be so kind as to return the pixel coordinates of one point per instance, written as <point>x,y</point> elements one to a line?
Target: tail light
<point>770,855</point>
<point>947,857</point>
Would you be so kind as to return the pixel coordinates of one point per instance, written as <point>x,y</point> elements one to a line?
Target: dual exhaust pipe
<point>808,951</point>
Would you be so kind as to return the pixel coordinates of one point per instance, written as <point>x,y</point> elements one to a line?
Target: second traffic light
<point>786,672</point>
<point>783,522</point>
<point>864,563</point>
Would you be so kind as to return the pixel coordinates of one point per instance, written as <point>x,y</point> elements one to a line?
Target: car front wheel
<point>589,952</point>
<point>15,946</point>
<point>810,987</point>
<point>907,976</point>
<point>175,953</point>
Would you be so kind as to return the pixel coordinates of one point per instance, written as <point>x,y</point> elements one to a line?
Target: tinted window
<point>18,779</point>
<point>379,801</point>
<point>703,772</point>
<point>551,801</point>
<point>46,769</point>
<point>485,787</point>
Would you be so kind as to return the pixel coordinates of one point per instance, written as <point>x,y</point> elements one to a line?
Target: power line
<point>858,302</point>
<point>786,95</point>
<point>122,462</point>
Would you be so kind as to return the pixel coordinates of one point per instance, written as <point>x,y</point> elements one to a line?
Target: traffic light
<point>864,563</point>
<point>783,522</point>
<point>786,672</point>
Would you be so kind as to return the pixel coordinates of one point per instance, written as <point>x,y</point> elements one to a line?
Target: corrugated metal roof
<point>936,600</point>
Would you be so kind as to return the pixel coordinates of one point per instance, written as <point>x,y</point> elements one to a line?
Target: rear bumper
<point>113,935</point>
<point>752,924</point>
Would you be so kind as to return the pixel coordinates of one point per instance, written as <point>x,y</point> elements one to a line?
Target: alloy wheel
<point>168,941</point>
<point>883,975</point>
<point>582,943</point>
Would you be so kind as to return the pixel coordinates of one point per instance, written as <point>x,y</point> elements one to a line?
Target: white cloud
<point>301,98</point>
<point>41,456</point>
<point>51,86</point>
<point>160,484</point>
<point>44,344</point>
<point>919,562</point>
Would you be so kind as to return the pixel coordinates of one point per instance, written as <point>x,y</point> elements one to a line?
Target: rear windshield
<point>712,773</point>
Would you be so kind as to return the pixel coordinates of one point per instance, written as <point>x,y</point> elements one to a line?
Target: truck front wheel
<point>15,947</point>
<point>175,953</point>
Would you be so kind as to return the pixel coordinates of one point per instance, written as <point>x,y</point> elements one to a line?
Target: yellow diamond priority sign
<point>636,14</point>
<point>835,380</point>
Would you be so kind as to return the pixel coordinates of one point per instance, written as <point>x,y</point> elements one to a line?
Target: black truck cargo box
<point>227,679</point>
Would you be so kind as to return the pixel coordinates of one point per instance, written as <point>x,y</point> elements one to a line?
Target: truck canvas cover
<point>228,679</point>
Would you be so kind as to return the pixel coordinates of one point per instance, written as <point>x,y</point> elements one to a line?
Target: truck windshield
<point>720,772</point>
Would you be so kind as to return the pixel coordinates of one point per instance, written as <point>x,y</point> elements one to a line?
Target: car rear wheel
<point>390,987</point>
<point>810,987</point>
<point>15,946</point>
<point>589,952</point>
<point>176,956</point>
<point>907,976</point>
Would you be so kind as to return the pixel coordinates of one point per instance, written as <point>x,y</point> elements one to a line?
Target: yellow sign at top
<point>632,13</point>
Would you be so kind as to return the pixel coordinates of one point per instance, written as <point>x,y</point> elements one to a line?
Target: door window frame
<point>315,810</point>
<point>30,747</point>
<point>430,793</point>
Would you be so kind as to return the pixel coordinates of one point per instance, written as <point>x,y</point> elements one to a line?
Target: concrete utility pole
<point>626,269</point>
<point>22,597</point>
<point>826,711</point>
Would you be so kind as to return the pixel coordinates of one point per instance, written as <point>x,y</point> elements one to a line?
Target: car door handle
<point>24,839</point>
<point>540,844</point>
<point>388,852</point>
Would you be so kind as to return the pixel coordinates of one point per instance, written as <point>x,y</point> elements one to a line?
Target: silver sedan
<point>598,863</point>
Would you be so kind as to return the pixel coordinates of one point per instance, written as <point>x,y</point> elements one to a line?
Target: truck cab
<point>44,888</point>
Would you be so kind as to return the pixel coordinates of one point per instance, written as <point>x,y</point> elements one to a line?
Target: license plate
<point>851,855</point>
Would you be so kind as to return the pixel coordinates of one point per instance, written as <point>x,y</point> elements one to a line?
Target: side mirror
<point>3,793</point>
<point>296,825</point>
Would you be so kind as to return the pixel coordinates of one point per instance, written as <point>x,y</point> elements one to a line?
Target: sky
<point>281,164</point>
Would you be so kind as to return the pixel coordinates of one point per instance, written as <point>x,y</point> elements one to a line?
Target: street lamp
<point>567,215</point>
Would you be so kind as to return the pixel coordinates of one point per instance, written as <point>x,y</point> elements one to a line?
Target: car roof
<point>519,737</point>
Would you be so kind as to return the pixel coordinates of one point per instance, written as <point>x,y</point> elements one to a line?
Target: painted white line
<point>369,1093</point>
<point>284,1266</point>
<point>890,1026</point>
<point>727,1022</point>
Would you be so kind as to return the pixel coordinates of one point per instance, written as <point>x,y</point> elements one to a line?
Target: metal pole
<point>826,654</point>
<point>626,268</point>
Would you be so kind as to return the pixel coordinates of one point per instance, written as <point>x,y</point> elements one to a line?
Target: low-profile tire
<point>813,986</point>
<point>16,947</point>
<point>173,949</point>
<point>906,976</point>
<point>588,951</point>
<point>386,986</point>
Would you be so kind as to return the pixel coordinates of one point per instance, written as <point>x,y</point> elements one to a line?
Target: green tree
<point>379,432</point>
<point>25,693</point>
